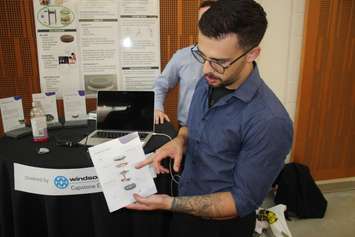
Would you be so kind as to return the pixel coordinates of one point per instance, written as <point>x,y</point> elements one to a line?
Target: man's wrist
<point>169,202</point>
<point>159,109</point>
<point>180,140</point>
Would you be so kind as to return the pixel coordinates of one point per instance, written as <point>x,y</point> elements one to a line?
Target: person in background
<point>183,69</point>
<point>238,134</point>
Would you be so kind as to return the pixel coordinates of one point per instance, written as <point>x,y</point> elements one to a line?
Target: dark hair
<point>245,18</point>
<point>207,3</point>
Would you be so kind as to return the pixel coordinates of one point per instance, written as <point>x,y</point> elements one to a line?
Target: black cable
<point>174,178</point>
<point>68,140</point>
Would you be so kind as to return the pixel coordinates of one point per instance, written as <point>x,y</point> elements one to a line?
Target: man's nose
<point>207,68</point>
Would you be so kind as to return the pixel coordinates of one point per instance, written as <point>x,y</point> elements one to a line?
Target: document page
<point>12,113</point>
<point>48,102</point>
<point>114,162</point>
<point>74,106</point>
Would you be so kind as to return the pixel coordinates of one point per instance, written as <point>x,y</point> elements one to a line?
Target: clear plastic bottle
<point>38,123</point>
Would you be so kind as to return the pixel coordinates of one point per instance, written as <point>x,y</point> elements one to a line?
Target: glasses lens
<point>217,67</point>
<point>197,55</point>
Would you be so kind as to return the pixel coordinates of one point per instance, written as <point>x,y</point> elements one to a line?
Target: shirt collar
<point>247,90</point>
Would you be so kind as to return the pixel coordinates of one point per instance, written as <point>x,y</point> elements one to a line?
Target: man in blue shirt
<point>237,136</point>
<point>183,69</point>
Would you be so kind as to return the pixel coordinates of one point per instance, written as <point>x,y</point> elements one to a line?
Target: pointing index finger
<point>145,162</point>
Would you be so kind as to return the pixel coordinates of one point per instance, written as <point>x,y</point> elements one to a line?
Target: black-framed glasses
<point>216,66</point>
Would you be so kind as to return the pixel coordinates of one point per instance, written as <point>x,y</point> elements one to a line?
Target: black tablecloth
<point>24,214</point>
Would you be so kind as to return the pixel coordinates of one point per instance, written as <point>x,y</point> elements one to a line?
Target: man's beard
<point>222,82</point>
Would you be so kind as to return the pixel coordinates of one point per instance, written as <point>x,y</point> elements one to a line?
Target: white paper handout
<point>12,113</point>
<point>114,162</point>
<point>75,106</point>
<point>49,105</point>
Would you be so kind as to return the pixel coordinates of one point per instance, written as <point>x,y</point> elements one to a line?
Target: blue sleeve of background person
<point>265,147</point>
<point>167,80</point>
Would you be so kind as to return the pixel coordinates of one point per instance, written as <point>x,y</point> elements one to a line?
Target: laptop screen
<point>125,110</point>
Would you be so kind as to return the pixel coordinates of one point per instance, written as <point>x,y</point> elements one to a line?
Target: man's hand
<point>154,202</point>
<point>160,117</point>
<point>173,149</point>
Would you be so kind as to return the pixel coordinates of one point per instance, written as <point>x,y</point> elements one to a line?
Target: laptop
<point>120,113</point>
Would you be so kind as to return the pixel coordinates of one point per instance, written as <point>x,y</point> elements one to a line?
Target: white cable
<point>162,134</point>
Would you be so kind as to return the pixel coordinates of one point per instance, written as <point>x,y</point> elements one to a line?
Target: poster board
<point>96,45</point>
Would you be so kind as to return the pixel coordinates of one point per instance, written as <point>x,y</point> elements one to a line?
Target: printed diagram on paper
<point>114,162</point>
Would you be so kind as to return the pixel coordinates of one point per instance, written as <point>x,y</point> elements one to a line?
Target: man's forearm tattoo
<point>206,206</point>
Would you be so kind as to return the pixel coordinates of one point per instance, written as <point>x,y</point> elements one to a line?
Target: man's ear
<point>253,54</point>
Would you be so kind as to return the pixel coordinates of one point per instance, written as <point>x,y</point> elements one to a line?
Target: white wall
<point>279,61</point>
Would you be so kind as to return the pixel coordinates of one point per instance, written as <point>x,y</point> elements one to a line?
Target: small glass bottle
<point>38,123</point>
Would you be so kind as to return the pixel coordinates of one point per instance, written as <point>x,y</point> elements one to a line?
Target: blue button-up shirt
<point>238,145</point>
<point>184,69</point>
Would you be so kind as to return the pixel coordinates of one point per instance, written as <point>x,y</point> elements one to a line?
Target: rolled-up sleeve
<point>265,146</point>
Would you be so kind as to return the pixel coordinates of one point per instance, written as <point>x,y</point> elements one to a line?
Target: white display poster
<point>99,47</point>
<point>139,7</point>
<point>140,46</point>
<point>12,113</point>
<point>49,105</point>
<point>139,78</point>
<point>74,106</point>
<point>57,45</point>
<point>114,162</point>
<point>139,39</point>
